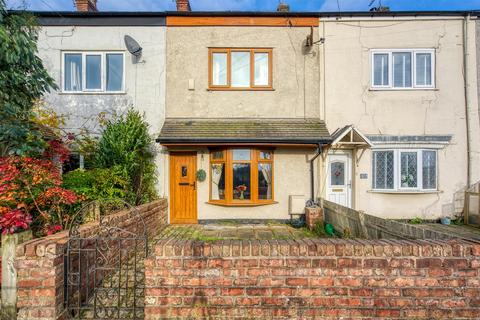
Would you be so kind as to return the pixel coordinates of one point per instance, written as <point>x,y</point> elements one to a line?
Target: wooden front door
<point>183,187</point>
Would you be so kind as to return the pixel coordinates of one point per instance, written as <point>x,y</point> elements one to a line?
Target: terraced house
<point>257,113</point>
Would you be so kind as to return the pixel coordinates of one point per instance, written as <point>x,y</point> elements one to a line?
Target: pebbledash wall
<point>40,263</point>
<point>308,279</point>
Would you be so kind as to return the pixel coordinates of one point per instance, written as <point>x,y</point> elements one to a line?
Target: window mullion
<point>229,68</point>
<point>252,70</point>
<point>84,72</point>
<point>229,176</point>
<point>420,169</point>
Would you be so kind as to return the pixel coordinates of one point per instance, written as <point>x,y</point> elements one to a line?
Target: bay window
<point>93,71</point>
<point>404,170</point>
<point>403,68</point>
<point>241,176</point>
<point>240,69</point>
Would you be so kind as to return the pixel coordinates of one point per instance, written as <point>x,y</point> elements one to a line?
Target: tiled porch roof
<point>204,131</point>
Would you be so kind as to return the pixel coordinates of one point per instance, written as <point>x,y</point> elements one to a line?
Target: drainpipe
<point>466,93</point>
<point>312,177</point>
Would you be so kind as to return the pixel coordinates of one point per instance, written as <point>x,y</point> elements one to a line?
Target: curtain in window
<point>408,169</point>
<point>73,72</point>
<point>380,73</point>
<point>429,169</point>
<point>402,69</point>
<point>424,69</point>
<point>219,72</point>
<point>261,69</point>
<point>266,170</point>
<point>240,69</point>
<point>217,170</point>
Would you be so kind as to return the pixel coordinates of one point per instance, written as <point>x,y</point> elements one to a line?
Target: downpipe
<point>312,176</point>
<point>466,93</point>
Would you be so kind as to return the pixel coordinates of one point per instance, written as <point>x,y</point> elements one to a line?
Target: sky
<point>249,5</point>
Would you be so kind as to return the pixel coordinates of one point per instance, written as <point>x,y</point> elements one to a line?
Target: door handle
<point>193,185</point>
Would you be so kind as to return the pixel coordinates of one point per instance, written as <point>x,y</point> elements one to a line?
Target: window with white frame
<point>404,169</point>
<point>93,71</point>
<point>403,68</point>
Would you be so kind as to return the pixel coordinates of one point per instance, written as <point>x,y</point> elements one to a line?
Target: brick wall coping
<point>55,244</point>
<point>316,247</point>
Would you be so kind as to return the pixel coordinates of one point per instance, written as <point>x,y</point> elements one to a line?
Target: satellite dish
<point>132,46</point>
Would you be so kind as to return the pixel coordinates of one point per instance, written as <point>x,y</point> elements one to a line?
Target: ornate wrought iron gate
<point>104,272</point>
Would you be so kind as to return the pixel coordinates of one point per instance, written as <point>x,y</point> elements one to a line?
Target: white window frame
<point>397,170</point>
<point>103,60</point>
<point>413,52</point>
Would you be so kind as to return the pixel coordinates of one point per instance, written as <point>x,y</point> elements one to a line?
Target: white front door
<point>339,178</point>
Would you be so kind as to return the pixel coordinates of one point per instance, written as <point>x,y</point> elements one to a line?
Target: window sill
<point>405,191</point>
<point>74,93</point>
<point>240,89</point>
<point>241,204</point>
<point>403,89</point>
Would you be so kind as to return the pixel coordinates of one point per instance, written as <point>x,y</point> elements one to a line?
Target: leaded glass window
<point>404,169</point>
<point>429,169</point>
<point>383,170</point>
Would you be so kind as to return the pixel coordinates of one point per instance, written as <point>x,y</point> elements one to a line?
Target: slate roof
<point>204,131</point>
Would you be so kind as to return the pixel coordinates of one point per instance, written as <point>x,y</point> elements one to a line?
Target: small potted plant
<point>241,189</point>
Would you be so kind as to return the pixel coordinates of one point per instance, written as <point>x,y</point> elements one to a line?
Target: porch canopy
<point>293,132</point>
<point>350,137</point>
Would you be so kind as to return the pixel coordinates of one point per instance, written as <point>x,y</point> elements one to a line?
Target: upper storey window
<point>240,69</point>
<point>93,71</point>
<point>403,69</point>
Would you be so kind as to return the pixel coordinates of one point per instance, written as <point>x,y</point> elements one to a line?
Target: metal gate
<point>104,271</point>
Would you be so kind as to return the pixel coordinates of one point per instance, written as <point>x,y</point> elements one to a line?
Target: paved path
<point>212,232</point>
<point>460,231</point>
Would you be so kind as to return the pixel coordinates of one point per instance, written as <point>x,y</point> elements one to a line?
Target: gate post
<point>9,273</point>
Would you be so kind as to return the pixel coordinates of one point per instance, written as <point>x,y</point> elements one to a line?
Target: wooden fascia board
<point>190,21</point>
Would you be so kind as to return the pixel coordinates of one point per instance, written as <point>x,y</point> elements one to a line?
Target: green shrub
<point>111,183</point>
<point>416,221</point>
<point>126,144</point>
<point>80,181</point>
<point>99,183</point>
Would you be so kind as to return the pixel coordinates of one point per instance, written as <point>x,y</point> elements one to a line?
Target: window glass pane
<point>218,181</point>
<point>73,72</point>
<point>402,69</point>
<point>383,171</point>
<point>380,69</point>
<point>337,173</point>
<point>265,155</point>
<point>114,71</point>
<point>264,181</point>
<point>93,73</point>
<point>241,181</point>
<point>429,169</point>
<point>241,154</point>
<point>261,69</point>
<point>217,155</point>
<point>219,72</point>
<point>424,69</point>
<point>408,169</point>
<point>240,69</point>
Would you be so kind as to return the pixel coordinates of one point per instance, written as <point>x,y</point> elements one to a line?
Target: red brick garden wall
<point>40,264</point>
<point>313,279</point>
